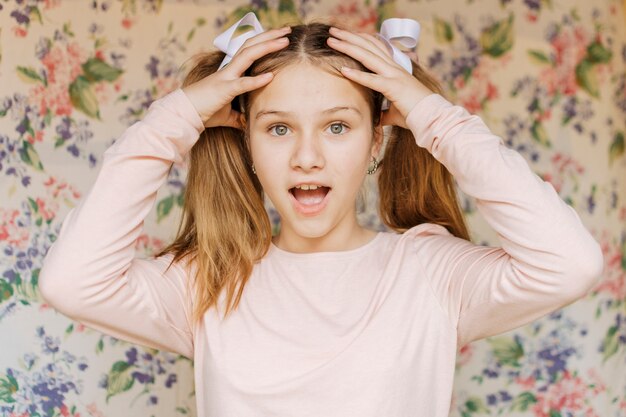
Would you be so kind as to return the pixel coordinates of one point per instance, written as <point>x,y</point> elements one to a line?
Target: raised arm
<point>91,274</point>
<point>547,259</point>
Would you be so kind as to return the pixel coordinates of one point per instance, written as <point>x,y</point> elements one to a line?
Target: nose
<point>307,153</point>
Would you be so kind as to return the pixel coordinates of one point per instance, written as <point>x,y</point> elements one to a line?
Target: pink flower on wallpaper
<point>10,232</point>
<point>55,188</point>
<point>614,277</point>
<point>93,410</point>
<point>464,355</point>
<point>62,65</point>
<point>566,171</point>
<point>527,383</point>
<point>20,32</point>
<point>165,85</point>
<point>47,210</point>
<point>37,138</point>
<point>148,245</point>
<point>567,394</point>
<point>355,16</point>
<point>570,47</point>
<point>475,93</point>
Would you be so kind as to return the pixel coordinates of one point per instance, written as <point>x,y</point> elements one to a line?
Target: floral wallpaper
<point>548,76</point>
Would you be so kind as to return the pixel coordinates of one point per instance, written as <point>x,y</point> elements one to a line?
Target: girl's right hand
<point>212,95</point>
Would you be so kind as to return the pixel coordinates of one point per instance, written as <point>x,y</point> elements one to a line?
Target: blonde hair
<point>225,228</point>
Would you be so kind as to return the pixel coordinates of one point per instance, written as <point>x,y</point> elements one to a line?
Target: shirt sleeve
<point>90,272</point>
<point>547,258</point>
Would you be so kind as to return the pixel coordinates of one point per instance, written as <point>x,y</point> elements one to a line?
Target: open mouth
<point>310,200</point>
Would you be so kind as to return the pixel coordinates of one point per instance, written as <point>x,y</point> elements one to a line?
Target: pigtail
<point>224,227</point>
<point>414,187</point>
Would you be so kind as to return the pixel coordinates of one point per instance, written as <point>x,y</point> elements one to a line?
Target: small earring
<point>372,169</point>
<point>253,169</point>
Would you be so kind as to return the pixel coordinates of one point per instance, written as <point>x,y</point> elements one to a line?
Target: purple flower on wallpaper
<point>42,387</point>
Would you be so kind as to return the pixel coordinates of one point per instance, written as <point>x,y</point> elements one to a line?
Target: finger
<point>372,81</point>
<point>233,120</point>
<point>365,40</point>
<point>382,46</point>
<point>245,84</point>
<point>370,60</point>
<point>246,56</point>
<point>393,117</point>
<point>265,36</point>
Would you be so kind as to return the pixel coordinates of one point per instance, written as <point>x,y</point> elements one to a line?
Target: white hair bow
<point>405,31</point>
<point>229,45</point>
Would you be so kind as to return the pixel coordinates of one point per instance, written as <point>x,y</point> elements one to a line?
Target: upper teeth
<point>308,187</point>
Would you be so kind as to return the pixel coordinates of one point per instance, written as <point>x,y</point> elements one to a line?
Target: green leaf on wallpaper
<point>539,134</point>
<point>69,329</point>
<point>29,75</point>
<point>96,70</point>
<point>523,401</point>
<point>610,344</point>
<point>59,142</point>
<point>191,34</point>
<point>586,78</point>
<point>287,6</point>
<point>539,57</point>
<point>119,379</point>
<point>67,29</point>
<point>164,207</point>
<point>33,205</point>
<point>443,31</point>
<point>201,21</point>
<point>617,147</point>
<point>8,385</point>
<point>475,405</point>
<point>507,350</point>
<point>598,54</point>
<point>35,14</point>
<point>34,277</point>
<point>83,97</point>
<point>29,155</point>
<point>497,39</point>
<point>555,413</point>
<point>180,200</point>
<point>6,290</point>
<point>100,346</point>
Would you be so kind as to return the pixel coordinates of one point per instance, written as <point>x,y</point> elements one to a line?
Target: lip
<point>309,210</point>
<point>309,183</point>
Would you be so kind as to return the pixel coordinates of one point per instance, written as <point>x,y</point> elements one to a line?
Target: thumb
<point>393,117</point>
<point>233,120</point>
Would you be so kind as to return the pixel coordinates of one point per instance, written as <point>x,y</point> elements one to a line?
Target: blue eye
<point>281,128</point>
<point>342,126</point>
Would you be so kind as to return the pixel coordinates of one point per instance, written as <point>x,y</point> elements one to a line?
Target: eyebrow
<point>336,109</point>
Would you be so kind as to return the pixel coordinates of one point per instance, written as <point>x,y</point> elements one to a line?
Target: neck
<point>344,236</point>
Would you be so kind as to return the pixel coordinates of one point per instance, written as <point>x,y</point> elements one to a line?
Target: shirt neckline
<point>327,254</point>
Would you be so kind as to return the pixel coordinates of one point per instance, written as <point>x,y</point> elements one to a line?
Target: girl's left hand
<point>402,89</point>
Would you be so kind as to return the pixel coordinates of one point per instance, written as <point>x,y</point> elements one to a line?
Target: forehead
<point>307,89</point>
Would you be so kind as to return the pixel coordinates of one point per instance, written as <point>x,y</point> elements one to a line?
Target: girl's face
<point>311,127</point>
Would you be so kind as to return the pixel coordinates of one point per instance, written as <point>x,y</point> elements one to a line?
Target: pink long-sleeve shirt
<point>371,331</point>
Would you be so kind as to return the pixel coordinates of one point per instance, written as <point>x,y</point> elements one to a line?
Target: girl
<point>326,318</point>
